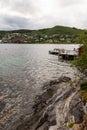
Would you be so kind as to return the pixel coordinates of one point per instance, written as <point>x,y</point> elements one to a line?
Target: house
<point>80,50</point>
<point>69,51</point>
<point>72,53</point>
<point>20,39</point>
<point>62,39</point>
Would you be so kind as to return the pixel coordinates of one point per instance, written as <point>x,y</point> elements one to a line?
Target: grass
<point>84,86</point>
<point>83,91</point>
<point>70,124</point>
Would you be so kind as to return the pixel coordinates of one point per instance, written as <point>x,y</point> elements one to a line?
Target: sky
<point>38,14</point>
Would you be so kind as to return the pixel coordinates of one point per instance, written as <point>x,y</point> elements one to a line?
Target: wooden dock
<point>65,54</point>
<point>68,54</point>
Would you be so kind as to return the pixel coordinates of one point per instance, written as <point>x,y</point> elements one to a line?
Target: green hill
<point>49,31</point>
<point>53,35</point>
<point>59,30</point>
<point>63,30</point>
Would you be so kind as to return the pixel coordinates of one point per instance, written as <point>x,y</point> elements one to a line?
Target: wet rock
<point>40,100</point>
<point>44,107</point>
<point>61,79</point>
<point>69,109</point>
<point>63,128</point>
<point>55,82</point>
<point>44,115</point>
<point>43,111</point>
<point>85,108</point>
<point>76,108</point>
<point>64,79</point>
<point>2,105</point>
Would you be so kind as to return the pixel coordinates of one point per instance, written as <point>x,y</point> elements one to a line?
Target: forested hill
<point>54,34</point>
<point>61,30</point>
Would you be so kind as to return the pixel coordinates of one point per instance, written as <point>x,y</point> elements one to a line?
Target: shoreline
<point>58,105</point>
<point>55,105</point>
<point>53,108</point>
<point>41,43</point>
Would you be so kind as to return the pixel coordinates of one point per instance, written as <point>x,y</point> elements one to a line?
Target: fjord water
<point>24,69</point>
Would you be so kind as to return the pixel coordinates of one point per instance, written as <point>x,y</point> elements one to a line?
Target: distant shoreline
<point>56,35</point>
<point>40,43</point>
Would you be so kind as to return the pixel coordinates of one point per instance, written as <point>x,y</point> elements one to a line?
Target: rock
<point>76,108</point>
<point>64,79</point>
<point>85,72</point>
<point>2,105</point>
<point>85,108</point>
<point>56,82</point>
<point>61,79</point>
<point>56,106</point>
<point>44,115</point>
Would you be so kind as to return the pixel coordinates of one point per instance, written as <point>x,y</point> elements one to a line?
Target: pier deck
<point>68,54</point>
<point>65,54</point>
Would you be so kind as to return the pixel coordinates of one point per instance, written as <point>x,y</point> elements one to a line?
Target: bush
<point>84,86</point>
<point>70,124</point>
<point>84,91</point>
<point>81,62</point>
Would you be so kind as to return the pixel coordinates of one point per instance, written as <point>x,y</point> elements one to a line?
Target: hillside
<point>61,30</point>
<point>51,35</point>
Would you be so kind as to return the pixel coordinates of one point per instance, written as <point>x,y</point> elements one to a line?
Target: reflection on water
<point>23,71</point>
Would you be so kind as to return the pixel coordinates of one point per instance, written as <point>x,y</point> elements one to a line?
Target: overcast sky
<point>37,14</point>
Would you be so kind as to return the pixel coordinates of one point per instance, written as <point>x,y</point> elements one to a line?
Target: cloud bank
<point>31,14</point>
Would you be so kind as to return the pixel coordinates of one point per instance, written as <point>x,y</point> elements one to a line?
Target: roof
<point>68,46</point>
<point>68,52</point>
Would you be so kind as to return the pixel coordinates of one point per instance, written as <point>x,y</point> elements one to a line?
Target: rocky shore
<point>58,107</point>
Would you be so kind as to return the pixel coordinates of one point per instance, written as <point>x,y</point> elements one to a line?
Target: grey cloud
<point>5,3</point>
<point>26,7</point>
<point>21,6</point>
<point>31,14</point>
<point>15,22</point>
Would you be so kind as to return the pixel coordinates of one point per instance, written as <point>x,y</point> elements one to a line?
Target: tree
<point>82,60</point>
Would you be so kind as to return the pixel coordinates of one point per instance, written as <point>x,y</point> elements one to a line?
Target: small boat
<point>54,51</point>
